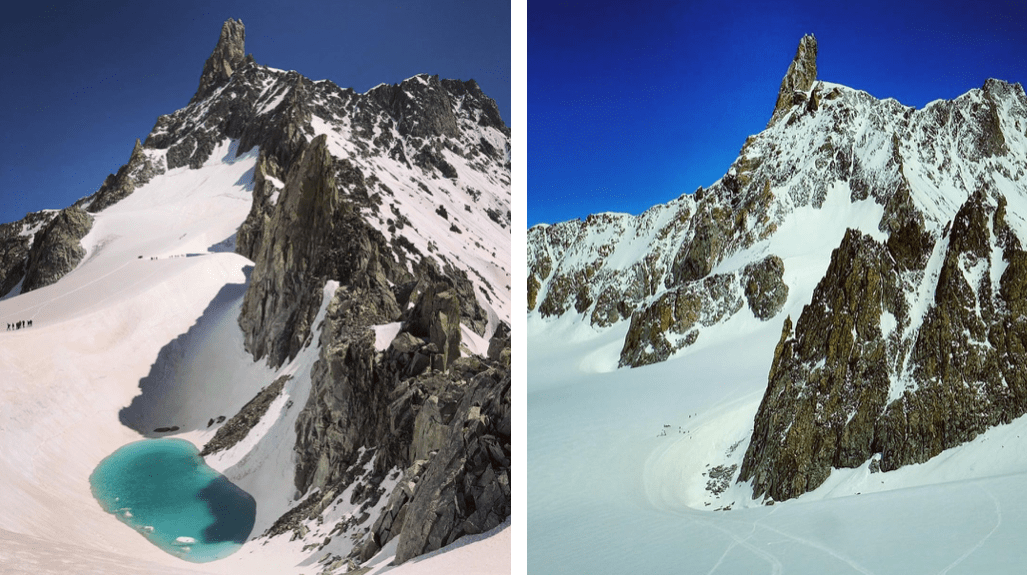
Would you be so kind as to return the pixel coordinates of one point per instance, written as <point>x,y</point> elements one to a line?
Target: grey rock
<point>15,244</point>
<point>140,169</point>
<point>500,341</point>
<point>228,56</point>
<point>251,232</point>
<point>56,249</point>
<point>765,290</point>
<point>802,72</point>
<point>466,487</point>
<point>313,235</point>
<point>436,315</point>
<point>239,426</point>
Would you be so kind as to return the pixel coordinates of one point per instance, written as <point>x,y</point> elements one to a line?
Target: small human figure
<point>30,323</point>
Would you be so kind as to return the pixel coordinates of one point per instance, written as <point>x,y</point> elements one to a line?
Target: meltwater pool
<point>163,489</point>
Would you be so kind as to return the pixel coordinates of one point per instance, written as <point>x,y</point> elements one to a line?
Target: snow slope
<point>612,489</point>
<point>144,331</point>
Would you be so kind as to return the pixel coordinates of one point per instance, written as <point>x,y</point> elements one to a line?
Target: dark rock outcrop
<point>671,322</point>
<point>436,316</point>
<point>449,430</point>
<point>239,426</point>
<point>140,169</point>
<point>15,243</point>
<point>848,385</point>
<point>313,235</point>
<point>464,487</point>
<point>251,232</point>
<point>347,408</point>
<point>56,248</point>
<point>802,72</point>
<point>228,56</point>
<point>828,381</point>
<point>499,345</point>
<point>765,290</point>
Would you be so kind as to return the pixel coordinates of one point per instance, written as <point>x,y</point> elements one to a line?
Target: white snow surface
<point>155,297</point>
<point>618,461</point>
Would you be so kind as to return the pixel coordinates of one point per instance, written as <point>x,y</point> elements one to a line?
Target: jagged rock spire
<point>227,57</point>
<point>802,72</point>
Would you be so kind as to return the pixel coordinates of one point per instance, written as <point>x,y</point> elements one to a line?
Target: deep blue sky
<point>82,80</point>
<point>630,105</point>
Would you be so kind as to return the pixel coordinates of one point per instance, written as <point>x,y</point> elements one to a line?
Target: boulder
<point>765,290</point>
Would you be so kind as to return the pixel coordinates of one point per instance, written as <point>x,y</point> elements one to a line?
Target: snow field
<point>116,321</point>
<point>608,492</point>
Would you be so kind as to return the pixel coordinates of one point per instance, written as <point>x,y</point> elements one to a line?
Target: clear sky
<point>82,80</point>
<point>632,104</point>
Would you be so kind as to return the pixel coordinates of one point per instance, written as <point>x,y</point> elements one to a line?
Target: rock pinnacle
<point>227,57</point>
<point>802,72</point>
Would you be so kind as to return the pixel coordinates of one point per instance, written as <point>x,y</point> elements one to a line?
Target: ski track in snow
<point>775,564</point>
<point>970,551</point>
<point>820,547</point>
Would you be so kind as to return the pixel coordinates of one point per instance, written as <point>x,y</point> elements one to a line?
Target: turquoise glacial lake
<point>163,489</point>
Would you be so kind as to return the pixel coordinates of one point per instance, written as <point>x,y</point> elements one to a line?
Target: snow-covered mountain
<point>857,268</point>
<point>312,286</point>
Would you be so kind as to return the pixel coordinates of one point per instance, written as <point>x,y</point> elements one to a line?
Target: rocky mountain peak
<point>802,72</point>
<point>228,56</point>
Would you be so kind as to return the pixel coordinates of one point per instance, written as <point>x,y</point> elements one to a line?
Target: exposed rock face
<point>436,316</point>
<point>802,72</point>
<point>239,426</point>
<point>859,376</point>
<point>828,381</point>
<point>228,56</point>
<point>450,431</point>
<point>672,321</point>
<point>142,166</point>
<point>765,290</point>
<point>56,249</point>
<point>314,235</point>
<point>465,488</point>
<point>347,408</point>
<point>15,243</point>
<point>499,345</point>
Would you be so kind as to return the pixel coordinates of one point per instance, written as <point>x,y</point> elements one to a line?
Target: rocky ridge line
<point>319,215</point>
<point>906,347</point>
